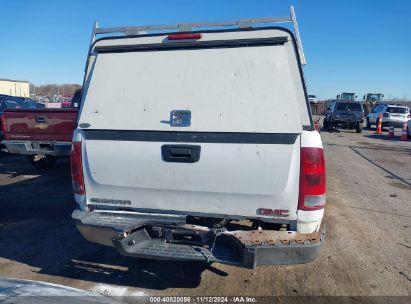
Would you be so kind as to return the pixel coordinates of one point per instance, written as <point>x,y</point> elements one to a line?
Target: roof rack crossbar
<point>241,23</point>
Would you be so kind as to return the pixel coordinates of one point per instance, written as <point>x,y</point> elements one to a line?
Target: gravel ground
<point>367,251</point>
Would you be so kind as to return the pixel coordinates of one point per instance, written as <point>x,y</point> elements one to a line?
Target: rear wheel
<point>329,125</point>
<point>325,124</point>
<point>42,161</point>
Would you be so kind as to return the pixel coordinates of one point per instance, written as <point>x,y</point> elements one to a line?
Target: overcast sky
<point>358,46</point>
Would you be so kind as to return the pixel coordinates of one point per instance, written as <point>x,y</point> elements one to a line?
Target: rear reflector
<point>184,36</point>
<point>77,169</point>
<point>312,179</point>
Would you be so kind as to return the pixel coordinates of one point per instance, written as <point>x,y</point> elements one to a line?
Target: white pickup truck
<point>198,144</point>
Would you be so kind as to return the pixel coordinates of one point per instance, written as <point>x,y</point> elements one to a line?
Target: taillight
<point>184,36</point>
<point>385,115</point>
<point>3,123</point>
<point>77,169</point>
<point>312,179</point>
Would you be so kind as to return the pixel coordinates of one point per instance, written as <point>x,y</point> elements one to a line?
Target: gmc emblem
<point>272,212</point>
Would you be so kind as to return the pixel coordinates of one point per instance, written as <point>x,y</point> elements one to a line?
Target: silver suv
<point>392,115</point>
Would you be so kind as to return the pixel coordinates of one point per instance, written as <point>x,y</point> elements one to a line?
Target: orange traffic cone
<point>379,125</point>
<point>317,125</point>
<point>391,131</point>
<point>404,132</point>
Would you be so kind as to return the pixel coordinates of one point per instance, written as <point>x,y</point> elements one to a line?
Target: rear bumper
<point>392,122</point>
<point>164,237</point>
<point>347,121</point>
<point>27,147</point>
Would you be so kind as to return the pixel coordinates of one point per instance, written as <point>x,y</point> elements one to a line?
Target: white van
<point>199,145</point>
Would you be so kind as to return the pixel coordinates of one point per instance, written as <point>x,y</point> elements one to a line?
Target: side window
<point>12,104</point>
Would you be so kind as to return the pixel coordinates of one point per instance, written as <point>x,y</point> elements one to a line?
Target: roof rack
<point>241,23</point>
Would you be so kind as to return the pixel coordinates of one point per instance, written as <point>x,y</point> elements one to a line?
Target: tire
<point>359,127</point>
<point>45,162</point>
<point>325,123</point>
<point>368,123</point>
<point>330,126</point>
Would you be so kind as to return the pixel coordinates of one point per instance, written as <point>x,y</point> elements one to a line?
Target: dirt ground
<point>367,250</point>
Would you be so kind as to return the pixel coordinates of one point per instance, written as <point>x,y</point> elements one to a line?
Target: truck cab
<point>370,100</point>
<point>373,98</point>
<point>347,96</point>
<point>182,134</point>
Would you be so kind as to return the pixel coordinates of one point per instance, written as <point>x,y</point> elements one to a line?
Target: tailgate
<point>42,124</point>
<point>212,131</point>
<point>228,178</point>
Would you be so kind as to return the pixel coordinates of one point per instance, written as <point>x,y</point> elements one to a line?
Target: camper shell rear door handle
<point>181,153</point>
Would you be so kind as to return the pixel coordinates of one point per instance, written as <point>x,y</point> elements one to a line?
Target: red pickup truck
<point>41,134</point>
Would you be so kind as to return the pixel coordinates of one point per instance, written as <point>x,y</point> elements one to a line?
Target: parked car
<point>43,134</point>
<point>74,102</point>
<point>409,128</point>
<point>8,102</point>
<point>66,104</point>
<point>345,113</point>
<point>312,99</point>
<point>30,103</point>
<point>392,115</point>
<point>76,99</point>
<point>166,156</point>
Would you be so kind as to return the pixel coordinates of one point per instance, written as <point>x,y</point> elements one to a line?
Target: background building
<point>15,87</point>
